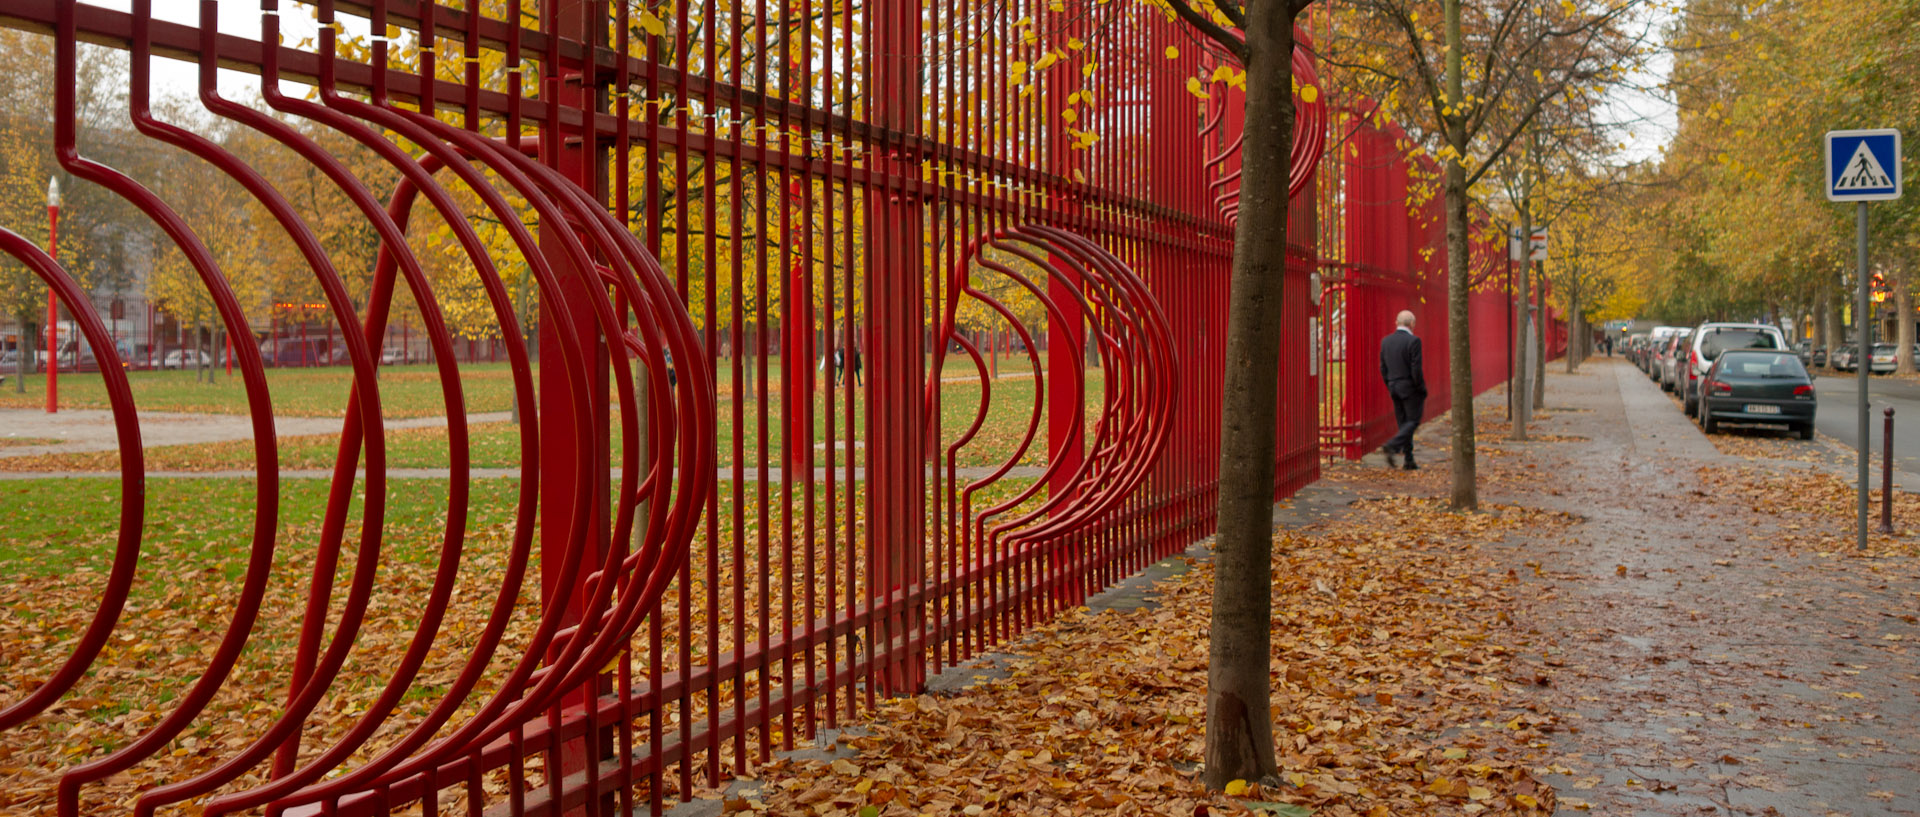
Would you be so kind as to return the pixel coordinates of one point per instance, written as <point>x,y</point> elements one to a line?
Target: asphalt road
<point>1837,418</point>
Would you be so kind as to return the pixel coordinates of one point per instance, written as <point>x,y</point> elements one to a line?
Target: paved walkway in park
<point>82,430</point>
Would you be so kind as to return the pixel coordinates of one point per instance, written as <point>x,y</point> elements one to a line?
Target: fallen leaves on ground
<point>1392,695</point>
<point>1812,510</point>
<point>1767,443</point>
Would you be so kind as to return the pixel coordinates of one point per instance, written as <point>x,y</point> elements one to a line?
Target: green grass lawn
<point>58,547</point>
<point>405,391</point>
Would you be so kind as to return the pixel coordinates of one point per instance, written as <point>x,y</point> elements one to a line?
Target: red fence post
<point>896,483</point>
<point>581,157</point>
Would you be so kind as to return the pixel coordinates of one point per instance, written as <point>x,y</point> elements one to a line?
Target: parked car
<point>1657,361</point>
<point>1817,357</point>
<point>392,356</point>
<point>1636,343</point>
<point>1883,361</point>
<point>1673,361</point>
<point>1843,357</point>
<point>1745,386</point>
<point>1805,351</point>
<point>1710,340</point>
<point>78,357</point>
<point>303,352</point>
<point>186,359</point>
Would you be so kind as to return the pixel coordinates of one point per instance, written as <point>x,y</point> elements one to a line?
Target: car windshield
<point>1753,364</point>
<point>1720,340</point>
<point>1883,348</point>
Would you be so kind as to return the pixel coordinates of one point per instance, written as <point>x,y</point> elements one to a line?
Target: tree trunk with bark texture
<point>1540,327</point>
<point>1821,339</point>
<point>1517,387</point>
<point>1466,491</point>
<point>1902,320</point>
<point>1836,328</point>
<point>1239,704</point>
<point>22,354</point>
<point>1576,332</point>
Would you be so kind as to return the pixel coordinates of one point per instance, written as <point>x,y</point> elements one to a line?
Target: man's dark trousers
<point>1404,372</point>
<point>1408,407</point>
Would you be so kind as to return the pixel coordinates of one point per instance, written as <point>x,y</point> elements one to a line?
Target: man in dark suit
<point>1401,367</point>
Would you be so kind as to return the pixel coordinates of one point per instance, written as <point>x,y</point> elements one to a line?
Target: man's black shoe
<point>1393,458</point>
<point>1410,466</point>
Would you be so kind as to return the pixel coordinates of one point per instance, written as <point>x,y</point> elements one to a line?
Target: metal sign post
<point>1863,166</point>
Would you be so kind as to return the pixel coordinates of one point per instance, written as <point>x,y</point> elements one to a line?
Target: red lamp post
<point>53,300</point>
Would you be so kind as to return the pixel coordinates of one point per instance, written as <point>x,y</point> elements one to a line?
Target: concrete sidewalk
<point>1701,667</point>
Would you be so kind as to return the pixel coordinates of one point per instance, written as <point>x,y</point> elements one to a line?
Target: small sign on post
<point>1537,245</point>
<point>1863,166</point>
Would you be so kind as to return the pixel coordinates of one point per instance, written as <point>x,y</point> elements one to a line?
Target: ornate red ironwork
<point>757,237</point>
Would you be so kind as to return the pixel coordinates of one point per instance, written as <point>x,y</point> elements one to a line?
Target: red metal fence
<point>764,241</point>
<point>1384,250</point>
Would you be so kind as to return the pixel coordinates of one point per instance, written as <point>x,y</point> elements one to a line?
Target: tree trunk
<point>1821,339</point>
<point>1836,330</point>
<point>1902,320</point>
<point>1239,684</point>
<point>1517,389</point>
<point>1466,493</point>
<point>22,355</point>
<point>1540,326</point>
<point>1576,330</point>
<point>748,340</point>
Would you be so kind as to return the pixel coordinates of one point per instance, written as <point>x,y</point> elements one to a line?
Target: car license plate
<point>1755,408</point>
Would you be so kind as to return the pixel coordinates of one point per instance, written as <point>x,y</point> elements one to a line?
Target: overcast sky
<point>1645,112</point>
<point>1647,117</point>
<point>240,18</point>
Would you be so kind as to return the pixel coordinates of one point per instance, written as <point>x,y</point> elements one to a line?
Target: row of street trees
<point>1469,79</point>
<point>1506,96</point>
<point>1733,223</point>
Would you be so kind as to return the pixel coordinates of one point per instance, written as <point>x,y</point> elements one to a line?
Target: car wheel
<point>1806,431</point>
<point>1707,424</point>
<point>1691,407</point>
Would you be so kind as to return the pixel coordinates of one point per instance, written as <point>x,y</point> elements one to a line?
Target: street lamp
<point>53,299</point>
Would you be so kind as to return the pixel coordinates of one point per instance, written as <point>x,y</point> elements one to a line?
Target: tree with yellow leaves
<point>1468,88</point>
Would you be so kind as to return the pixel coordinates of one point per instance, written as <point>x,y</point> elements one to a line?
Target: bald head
<point>1405,319</point>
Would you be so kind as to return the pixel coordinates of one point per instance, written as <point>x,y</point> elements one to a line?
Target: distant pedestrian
<point>1402,369</point>
<point>839,364</point>
<point>853,364</point>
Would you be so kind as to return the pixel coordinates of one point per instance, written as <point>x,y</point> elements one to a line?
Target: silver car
<point>1673,363</point>
<point>1883,359</point>
<point>1842,358</point>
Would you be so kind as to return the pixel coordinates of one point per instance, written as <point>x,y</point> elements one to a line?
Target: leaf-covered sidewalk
<point>1637,625</point>
<point>1395,693</point>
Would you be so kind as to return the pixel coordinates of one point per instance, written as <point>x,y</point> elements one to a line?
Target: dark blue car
<point>1758,386</point>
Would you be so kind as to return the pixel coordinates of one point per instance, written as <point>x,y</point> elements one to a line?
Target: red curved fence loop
<point>1223,131</point>
<point>133,495</point>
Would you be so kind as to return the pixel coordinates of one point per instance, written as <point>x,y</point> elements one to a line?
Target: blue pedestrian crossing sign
<point>1863,165</point>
